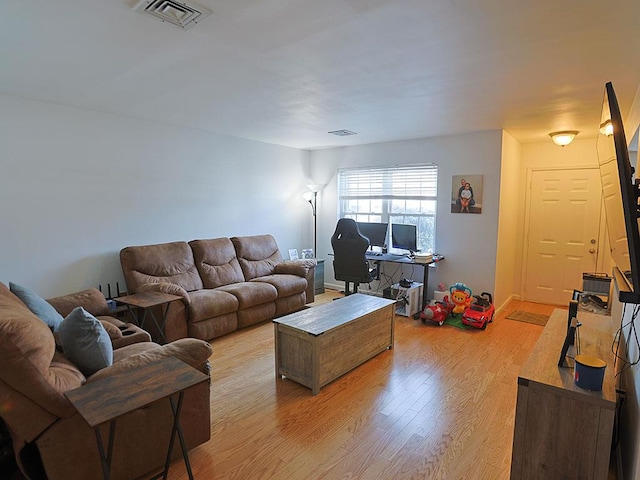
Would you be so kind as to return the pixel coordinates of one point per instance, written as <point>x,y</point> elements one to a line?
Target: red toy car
<point>480,312</point>
<point>438,312</point>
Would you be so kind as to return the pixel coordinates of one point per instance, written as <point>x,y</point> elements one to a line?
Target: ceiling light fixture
<point>563,138</point>
<point>606,128</point>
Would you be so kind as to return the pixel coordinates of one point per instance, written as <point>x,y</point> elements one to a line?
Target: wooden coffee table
<point>317,345</point>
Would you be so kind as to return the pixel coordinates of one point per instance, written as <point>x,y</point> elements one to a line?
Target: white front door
<point>562,233</point>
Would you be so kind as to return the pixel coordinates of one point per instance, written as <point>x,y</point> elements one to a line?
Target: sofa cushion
<point>258,255</point>
<point>85,341</point>
<point>250,294</point>
<point>38,305</point>
<point>285,284</point>
<point>216,261</point>
<point>166,262</point>
<point>208,303</point>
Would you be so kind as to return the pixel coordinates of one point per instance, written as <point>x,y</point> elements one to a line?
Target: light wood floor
<point>439,405</point>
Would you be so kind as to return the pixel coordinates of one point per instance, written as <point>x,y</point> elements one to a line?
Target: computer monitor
<point>375,232</point>
<point>404,237</point>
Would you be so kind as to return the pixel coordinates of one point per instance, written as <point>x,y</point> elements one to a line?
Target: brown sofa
<point>49,436</point>
<point>225,283</point>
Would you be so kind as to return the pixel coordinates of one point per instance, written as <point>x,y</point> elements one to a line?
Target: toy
<point>479,313</point>
<point>461,296</point>
<point>438,312</point>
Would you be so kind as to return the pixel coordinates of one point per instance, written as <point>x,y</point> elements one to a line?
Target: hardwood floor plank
<point>440,404</point>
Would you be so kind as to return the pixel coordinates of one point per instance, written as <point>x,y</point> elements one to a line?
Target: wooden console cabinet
<point>562,430</point>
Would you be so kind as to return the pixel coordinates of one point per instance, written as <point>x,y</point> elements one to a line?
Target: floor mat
<point>456,321</point>
<point>528,317</point>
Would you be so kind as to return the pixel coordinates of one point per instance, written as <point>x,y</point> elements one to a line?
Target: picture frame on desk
<point>293,254</point>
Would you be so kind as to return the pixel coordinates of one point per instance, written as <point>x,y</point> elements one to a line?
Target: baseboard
<point>505,303</point>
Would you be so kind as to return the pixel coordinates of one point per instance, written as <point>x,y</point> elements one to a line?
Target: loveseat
<point>49,436</point>
<point>225,283</point>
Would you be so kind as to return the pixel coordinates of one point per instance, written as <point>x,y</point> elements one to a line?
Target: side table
<point>145,301</point>
<point>318,279</point>
<point>107,399</point>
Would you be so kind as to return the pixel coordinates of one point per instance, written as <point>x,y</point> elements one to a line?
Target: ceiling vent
<point>181,14</point>
<point>343,133</point>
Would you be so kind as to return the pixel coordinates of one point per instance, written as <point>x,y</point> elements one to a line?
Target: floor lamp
<point>311,196</point>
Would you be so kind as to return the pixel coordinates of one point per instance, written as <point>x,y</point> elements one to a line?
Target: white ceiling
<point>288,71</point>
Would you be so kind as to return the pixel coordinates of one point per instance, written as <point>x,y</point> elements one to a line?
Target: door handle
<point>592,250</point>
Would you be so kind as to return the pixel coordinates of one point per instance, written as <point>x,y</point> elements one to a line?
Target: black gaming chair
<point>349,261</point>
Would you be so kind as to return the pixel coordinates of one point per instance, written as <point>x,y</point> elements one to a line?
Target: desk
<point>387,257</point>
<point>145,301</point>
<point>105,400</point>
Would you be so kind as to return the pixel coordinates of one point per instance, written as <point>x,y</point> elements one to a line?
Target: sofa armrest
<point>303,268</point>
<point>166,287</point>
<point>296,267</point>
<point>90,299</point>
<point>192,351</point>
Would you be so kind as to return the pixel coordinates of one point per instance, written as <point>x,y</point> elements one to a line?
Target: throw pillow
<point>85,341</point>
<point>38,305</point>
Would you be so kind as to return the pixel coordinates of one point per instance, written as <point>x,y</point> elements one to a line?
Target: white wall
<point>78,185</point>
<point>468,241</point>
<point>508,234</point>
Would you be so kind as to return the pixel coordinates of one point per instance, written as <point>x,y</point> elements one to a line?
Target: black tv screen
<point>620,193</point>
<point>375,232</point>
<point>404,237</point>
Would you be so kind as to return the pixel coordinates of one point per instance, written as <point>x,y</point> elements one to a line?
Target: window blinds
<point>410,182</point>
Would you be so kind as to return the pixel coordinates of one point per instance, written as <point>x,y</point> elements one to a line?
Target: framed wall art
<point>466,194</point>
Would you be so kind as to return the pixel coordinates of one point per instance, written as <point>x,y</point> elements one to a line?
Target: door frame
<point>602,260</point>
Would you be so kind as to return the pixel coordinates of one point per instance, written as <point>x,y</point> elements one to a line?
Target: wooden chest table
<point>317,345</point>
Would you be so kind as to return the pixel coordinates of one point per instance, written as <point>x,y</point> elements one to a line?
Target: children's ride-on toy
<point>438,312</point>
<point>479,313</point>
<point>461,297</point>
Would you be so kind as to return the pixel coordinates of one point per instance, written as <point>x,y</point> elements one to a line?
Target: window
<point>392,195</point>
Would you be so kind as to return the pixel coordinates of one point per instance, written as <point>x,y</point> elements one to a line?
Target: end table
<point>103,402</point>
<point>145,301</point>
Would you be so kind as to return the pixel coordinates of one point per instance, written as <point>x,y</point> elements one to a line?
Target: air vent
<point>343,133</point>
<point>180,14</point>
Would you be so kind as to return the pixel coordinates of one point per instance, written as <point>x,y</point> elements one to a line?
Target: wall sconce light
<point>563,138</point>
<point>311,196</point>
<point>606,128</point>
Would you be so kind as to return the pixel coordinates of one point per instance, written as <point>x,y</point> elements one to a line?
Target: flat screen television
<point>375,232</point>
<point>620,193</point>
<point>404,237</point>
